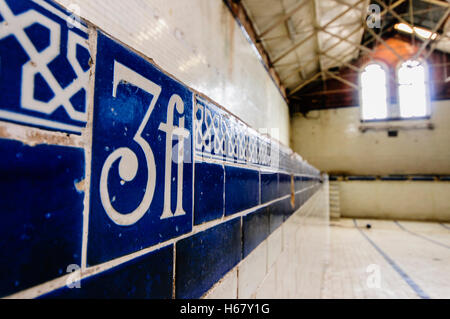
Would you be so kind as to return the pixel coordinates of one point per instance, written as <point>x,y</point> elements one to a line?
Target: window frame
<point>385,68</point>
<point>393,110</point>
<point>427,90</point>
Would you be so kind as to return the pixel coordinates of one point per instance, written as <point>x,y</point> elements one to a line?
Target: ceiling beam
<point>350,66</point>
<point>342,80</point>
<point>399,17</point>
<point>304,83</point>
<point>443,18</point>
<point>345,39</point>
<point>411,18</point>
<point>292,48</point>
<point>325,92</point>
<point>327,49</point>
<point>390,7</point>
<point>301,67</point>
<point>380,39</point>
<point>438,3</point>
<point>283,18</point>
<point>316,24</point>
<point>395,14</point>
<point>296,45</point>
<point>382,13</point>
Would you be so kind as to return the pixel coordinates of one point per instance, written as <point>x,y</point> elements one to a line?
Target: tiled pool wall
<point>287,262</point>
<point>118,180</point>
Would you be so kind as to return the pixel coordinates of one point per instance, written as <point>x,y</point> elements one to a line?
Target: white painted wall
<point>413,200</point>
<point>331,141</point>
<point>200,43</point>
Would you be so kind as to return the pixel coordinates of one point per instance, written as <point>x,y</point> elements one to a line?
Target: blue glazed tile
<point>309,193</point>
<point>209,188</point>
<point>362,178</point>
<point>269,187</point>
<point>255,229</point>
<point>40,67</point>
<point>42,213</point>
<point>298,183</point>
<point>288,207</point>
<point>301,197</point>
<point>306,181</point>
<point>298,200</point>
<point>276,215</point>
<point>203,259</point>
<point>306,195</point>
<point>147,276</point>
<point>141,193</point>
<point>241,189</point>
<point>284,184</point>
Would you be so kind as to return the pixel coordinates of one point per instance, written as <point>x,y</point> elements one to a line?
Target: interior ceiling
<point>306,38</point>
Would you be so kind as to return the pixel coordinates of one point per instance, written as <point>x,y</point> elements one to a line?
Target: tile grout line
<point>262,169</point>
<point>25,134</point>
<point>421,236</point>
<point>87,135</point>
<point>88,148</point>
<point>394,265</point>
<point>174,265</point>
<point>58,283</point>
<point>236,267</point>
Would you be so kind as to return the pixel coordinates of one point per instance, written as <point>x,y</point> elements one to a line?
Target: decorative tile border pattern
<point>45,66</point>
<point>160,174</point>
<point>220,136</point>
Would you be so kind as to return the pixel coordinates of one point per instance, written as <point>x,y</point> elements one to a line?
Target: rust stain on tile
<point>80,186</point>
<point>33,136</point>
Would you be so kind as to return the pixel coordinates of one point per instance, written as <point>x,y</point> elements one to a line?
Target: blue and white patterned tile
<point>142,171</point>
<point>199,265</point>
<point>42,213</point>
<point>209,192</point>
<point>44,63</point>
<point>241,189</point>
<point>251,147</point>
<point>220,136</point>
<point>149,276</point>
<point>209,130</point>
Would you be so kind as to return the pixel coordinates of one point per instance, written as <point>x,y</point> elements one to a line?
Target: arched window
<point>373,96</point>
<point>413,89</point>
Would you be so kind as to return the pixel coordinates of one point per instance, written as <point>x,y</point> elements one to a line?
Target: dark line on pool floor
<point>421,236</point>
<point>445,226</point>
<point>419,291</point>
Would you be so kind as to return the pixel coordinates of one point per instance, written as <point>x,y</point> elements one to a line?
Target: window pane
<point>412,89</point>
<point>373,92</point>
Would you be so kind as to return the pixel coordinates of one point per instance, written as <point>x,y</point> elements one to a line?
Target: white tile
<point>226,288</point>
<point>200,43</point>
<point>267,290</point>
<point>252,270</point>
<point>274,245</point>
